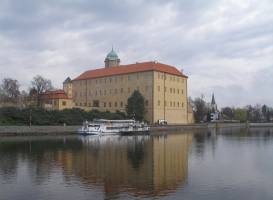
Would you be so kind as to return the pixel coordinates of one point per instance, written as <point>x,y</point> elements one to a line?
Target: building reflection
<point>140,165</point>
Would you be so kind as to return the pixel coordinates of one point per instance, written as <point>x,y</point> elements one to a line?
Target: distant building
<point>108,89</point>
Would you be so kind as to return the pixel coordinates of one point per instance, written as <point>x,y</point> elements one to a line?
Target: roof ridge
<point>130,68</point>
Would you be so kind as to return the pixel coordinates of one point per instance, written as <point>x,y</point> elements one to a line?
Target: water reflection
<point>142,165</point>
<point>139,165</point>
<point>229,163</point>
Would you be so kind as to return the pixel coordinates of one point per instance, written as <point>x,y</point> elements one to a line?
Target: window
<point>104,92</point>
<point>182,91</point>
<point>171,104</point>
<point>104,104</point>
<point>96,103</point>
<point>80,104</point>
<point>177,91</point>
<point>158,103</point>
<point>121,104</point>
<point>171,90</point>
<point>182,104</point>
<point>116,104</point>
<point>110,80</point>
<point>165,89</point>
<point>129,78</point>
<point>146,103</point>
<point>177,104</point>
<point>121,90</point>
<point>116,91</point>
<point>174,90</point>
<point>100,92</point>
<point>96,92</point>
<point>64,103</point>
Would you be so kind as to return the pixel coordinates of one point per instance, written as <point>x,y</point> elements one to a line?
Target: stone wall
<point>37,130</point>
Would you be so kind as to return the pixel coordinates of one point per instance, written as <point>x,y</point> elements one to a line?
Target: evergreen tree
<point>135,106</point>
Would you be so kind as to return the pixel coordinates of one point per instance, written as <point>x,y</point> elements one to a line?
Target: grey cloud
<point>217,43</point>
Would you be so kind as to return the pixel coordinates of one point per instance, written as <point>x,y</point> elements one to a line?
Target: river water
<point>211,165</point>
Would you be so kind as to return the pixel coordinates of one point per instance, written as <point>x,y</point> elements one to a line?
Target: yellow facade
<point>165,94</point>
<point>58,104</point>
<point>163,87</point>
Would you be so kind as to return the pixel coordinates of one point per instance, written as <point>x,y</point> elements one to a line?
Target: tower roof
<point>67,80</point>
<point>112,55</point>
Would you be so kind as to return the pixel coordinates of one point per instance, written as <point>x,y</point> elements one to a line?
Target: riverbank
<point>37,130</point>
<point>70,130</point>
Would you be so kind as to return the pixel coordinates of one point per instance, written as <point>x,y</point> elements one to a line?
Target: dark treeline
<point>38,116</point>
<point>257,113</point>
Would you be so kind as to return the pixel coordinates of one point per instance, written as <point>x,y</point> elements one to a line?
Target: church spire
<point>213,100</point>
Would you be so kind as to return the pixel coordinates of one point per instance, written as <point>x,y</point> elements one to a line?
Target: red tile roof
<point>132,68</point>
<point>54,94</point>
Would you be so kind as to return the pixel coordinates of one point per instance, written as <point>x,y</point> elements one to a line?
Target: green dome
<point>112,55</point>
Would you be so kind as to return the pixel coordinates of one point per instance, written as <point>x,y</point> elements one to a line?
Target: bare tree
<point>10,90</point>
<point>200,109</point>
<point>40,85</point>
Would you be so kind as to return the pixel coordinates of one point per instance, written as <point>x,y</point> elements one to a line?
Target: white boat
<point>112,127</point>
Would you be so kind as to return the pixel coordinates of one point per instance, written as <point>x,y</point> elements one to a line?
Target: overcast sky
<point>224,46</point>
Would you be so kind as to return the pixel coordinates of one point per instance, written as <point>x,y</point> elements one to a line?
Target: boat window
<point>92,125</point>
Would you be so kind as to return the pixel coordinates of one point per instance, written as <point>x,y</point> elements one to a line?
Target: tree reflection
<point>135,153</point>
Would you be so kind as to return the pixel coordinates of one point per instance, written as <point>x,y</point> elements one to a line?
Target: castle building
<point>163,87</point>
